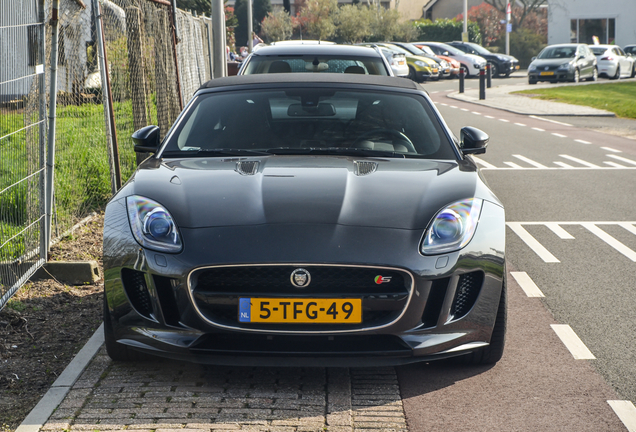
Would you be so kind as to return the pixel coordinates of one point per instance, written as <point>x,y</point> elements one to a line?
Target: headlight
<point>565,66</point>
<point>532,68</point>
<point>152,226</point>
<point>452,228</point>
<point>420,63</point>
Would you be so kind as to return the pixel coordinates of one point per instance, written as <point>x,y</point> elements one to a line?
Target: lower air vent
<point>434,302</point>
<point>137,291</point>
<point>468,289</point>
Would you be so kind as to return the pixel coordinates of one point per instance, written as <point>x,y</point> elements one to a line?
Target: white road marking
<point>628,226</point>
<point>622,159</point>
<point>433,92</point>
<point>490,117</point>
<point>572,342</point>
<point>527,284</point>
<point>504,120</point>
<point>626,412</point>
<point>620,247</point>
<point>559,135</point>
<point>519,124</point>
<point>614,164</point>
<point>444,104</point>
<point>564,165</point>
<point>611,150</point>
<point>582,142</point>
<point>453,106</point>
<point>530,161</point>
<point>483,162</point>
<point>532,243</point>
<point>514,165</point>
<point>580,161</point>
<point>551,121</point>
<point>464,109</point>
<point>476,113</point>
<point>539,129</point>
<point>556,228</point>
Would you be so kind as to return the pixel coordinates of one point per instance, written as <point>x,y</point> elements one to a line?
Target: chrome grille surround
<point>201,315</point>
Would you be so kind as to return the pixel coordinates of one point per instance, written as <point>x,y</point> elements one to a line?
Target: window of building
<point>584,30</point>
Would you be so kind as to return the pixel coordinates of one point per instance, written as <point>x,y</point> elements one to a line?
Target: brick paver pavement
<point>176,396</point>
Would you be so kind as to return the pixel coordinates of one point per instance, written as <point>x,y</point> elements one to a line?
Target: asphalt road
<point>569,196</point>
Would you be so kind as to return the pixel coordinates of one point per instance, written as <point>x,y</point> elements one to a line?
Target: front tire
<point>531,81</point>
<point>594,75</point>
<point>412,74</point>
<point>492,353</point>
<point>577,76</point>
<point>494,70</point>
<point>117,351</point>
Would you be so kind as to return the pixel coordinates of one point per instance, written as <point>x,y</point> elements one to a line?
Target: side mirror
<point>146,139</point>
<point>473,140</point>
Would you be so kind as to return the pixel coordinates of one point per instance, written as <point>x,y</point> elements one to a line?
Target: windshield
<point>323,64</point>
<point>427,50</point>
<point>557,52</point>
<point>310,120</point>
<point>598,51</point>
<point>451,49</point>
<point>413,49</point>
<point>480,49</point>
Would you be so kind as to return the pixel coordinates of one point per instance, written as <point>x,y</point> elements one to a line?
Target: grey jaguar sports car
<point>306,220</point>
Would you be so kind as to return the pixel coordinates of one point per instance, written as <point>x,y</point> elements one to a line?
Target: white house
<point>612,21</point>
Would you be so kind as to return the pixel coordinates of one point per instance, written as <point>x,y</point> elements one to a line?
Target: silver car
<point>612,62</point>
<point>397,61</point>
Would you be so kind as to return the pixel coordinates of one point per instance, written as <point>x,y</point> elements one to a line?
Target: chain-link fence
<point>153,69</point>
<point>22,142</point>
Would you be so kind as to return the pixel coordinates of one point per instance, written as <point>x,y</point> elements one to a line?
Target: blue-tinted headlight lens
<point>152,226</point>
<point>452,228</point>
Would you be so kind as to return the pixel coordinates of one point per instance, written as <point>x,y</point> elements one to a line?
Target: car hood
<point>550,62</point>
<point>397,193</point>
<point>474,58</point>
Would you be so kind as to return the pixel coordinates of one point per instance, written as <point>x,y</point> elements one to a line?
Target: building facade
<point>611,21</point>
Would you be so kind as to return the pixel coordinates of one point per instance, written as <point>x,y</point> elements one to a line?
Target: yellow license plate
<point>294,310</point>
<point>547,73</point>
<point>435,70</point>
<point>517,67</point>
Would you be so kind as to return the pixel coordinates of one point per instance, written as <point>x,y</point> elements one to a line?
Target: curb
<point>62,385</point>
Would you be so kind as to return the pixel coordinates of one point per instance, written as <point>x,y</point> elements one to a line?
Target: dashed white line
<point>622,159</point>
<point>464,109</point>
<point>551,121</point>
<point>580,161</point>
<point>620,247</point>
<point>444,104</point>
<point>556,228</point>
<point>614,164</point>
<point>539,129</point>
<point>628,226</point>
<point>609,149</point>
<point>519,124</point>
<point>530,161</point>
<point>490,117</point>
<point>483,162</point>
<point>476,113</point>
<point>527,284</point>
<point>626,412</point>
<point>514,165</point>
<point>504,120</point>
<point>582,142</point>
<point>453,106</point>
<point>559,135</point>
<point>532,243</point>
<point>572,342</point>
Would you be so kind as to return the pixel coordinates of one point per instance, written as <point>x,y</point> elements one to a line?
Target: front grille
<point>137,291</point>
<point>241,344</point>
<point>468,288</point>
<point>384,293</point>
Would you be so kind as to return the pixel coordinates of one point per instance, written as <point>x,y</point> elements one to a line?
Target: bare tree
<point>526,6</point>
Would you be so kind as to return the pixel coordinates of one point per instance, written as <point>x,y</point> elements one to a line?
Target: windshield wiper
<point>230,152</point>
<point>338,151</point>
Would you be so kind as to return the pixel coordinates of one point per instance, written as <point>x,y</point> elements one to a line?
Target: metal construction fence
<point>121,65</point>
<point>22,142</point>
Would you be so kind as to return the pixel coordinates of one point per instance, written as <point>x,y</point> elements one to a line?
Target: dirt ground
<point>44,325</point>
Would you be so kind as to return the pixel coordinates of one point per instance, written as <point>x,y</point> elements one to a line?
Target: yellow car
<point>420,68</point>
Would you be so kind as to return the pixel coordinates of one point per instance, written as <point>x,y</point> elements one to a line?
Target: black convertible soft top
<point>326,78</point>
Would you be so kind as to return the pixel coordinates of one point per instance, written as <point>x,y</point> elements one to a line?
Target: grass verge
<point>619,98</point>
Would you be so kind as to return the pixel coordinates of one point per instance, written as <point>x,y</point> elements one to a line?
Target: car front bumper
<point>448,307</point>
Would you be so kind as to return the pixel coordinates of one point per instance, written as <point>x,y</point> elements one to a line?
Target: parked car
<point>470,63</point>
<point>397,61</point>
<point>612,61</point>
<point>454,64</point>
<point>314,57</point>
<point>311,220</point>
<point>500,64</point>
<point>443,65</point>
<point>564,62</point>
<point>630,50</point>
<point>420,68</point>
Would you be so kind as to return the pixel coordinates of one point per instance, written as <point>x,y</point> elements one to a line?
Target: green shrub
<point>524,44</point>
<point>446,30</point>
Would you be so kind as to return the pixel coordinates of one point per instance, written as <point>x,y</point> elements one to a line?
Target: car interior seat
<point>279,66</point>
<point>355,70</point>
